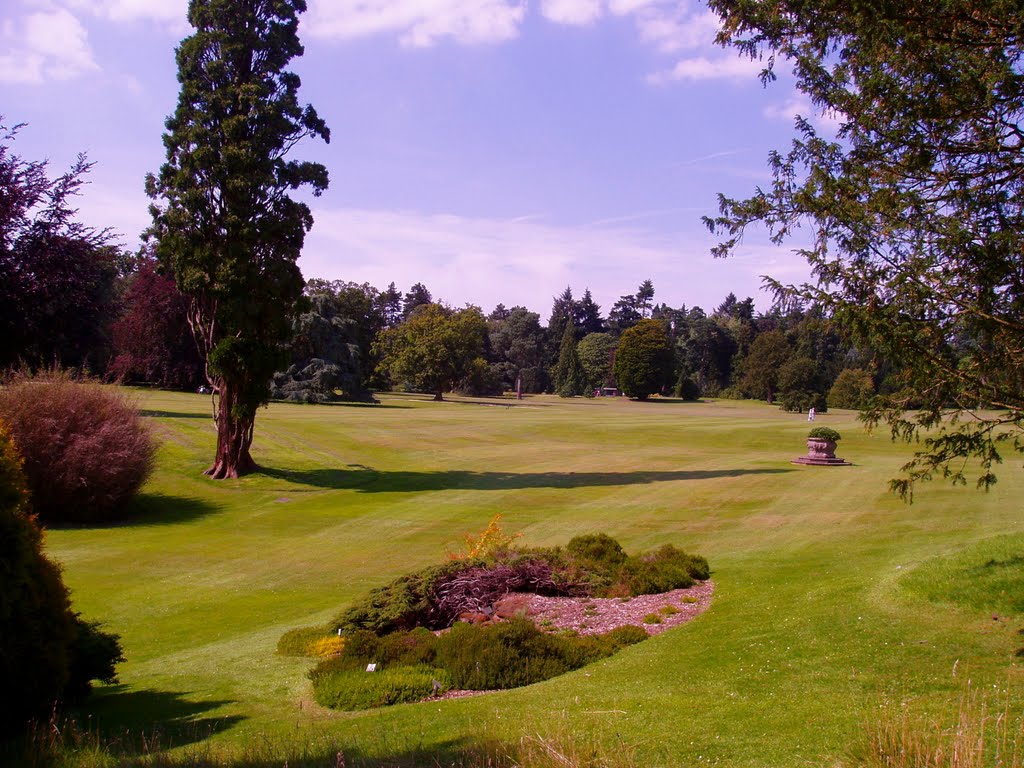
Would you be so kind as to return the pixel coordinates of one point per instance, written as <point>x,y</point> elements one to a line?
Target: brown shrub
<point>86,449</point>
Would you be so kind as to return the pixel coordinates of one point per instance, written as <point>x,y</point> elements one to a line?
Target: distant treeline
<point>72,299</point>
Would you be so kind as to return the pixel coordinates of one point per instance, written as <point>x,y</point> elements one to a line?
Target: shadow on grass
<point>324,752</point>
<point>173,414</point>
<point>158,509</point>
<point>148,509</point>
<point>671,401</point>
<point>368,480</point>
<point>135,720</point>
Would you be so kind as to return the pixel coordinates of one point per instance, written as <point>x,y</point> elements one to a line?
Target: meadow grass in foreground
<point>834,601</point>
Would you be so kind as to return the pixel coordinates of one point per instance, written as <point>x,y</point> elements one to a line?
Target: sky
<point>496,151</point>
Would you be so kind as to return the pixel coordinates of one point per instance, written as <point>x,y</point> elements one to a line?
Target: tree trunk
<point>438,396</point>
<point>234,437</point>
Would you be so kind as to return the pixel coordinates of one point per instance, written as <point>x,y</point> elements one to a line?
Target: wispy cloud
<point>674,29</point>
<point>418,23</point>
<point>171,13</point>
<point>526,261</point>
<point>799,105</point>
<point>572,12</point>
<point>719,67</point>
<point>705,158</point>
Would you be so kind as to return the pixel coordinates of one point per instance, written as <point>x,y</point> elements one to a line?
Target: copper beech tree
<point>223,220</point>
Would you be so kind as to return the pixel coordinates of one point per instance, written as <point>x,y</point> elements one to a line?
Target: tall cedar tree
<point>223,219</point>
<point>570,378</point>
<point>917,205</point>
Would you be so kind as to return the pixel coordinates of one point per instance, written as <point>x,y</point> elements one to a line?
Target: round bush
<point>629,634</point>
<point>663,570</point>
<point>37,628</point>
<point>85,447</point>
<point>597,548</point>
<point>825,433</point>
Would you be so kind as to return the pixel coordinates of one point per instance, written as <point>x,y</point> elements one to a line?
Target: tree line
<point>72,298</point>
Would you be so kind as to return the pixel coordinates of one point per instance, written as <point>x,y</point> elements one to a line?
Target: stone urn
<point>821,449</point>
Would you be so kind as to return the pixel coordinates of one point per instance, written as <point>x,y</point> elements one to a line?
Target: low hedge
<point>355,689</point>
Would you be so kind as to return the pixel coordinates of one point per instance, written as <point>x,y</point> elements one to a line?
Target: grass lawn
<point>834,602</point>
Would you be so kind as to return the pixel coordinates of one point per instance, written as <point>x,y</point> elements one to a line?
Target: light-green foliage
<point>595,351</point>
<point>644,359</point>
<point>809,631</point>
<point>852,389</point>
<point>433,349</point>
<point>359,689</point>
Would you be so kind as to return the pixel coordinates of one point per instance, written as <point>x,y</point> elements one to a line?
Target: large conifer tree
<point>223,218</point>
<point>915,208</point>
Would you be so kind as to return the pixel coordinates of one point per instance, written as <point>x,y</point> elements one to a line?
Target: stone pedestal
<point>821,453</point>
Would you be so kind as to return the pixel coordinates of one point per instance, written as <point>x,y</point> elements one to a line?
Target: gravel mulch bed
<point>595,616</point>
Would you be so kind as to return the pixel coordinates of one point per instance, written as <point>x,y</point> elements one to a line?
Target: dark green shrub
<point>512,654</point>
<point>597,548</point>
<point>86,450</point>
<point>35,613</point>
<point>351,690</point>
<point>94,656</point>
<point>687,389</point>
<point>47,653</point>
<point>417,646</point>
<point>402,604</point>
<point>630,634</point>
<point>825,433</point>
<point>662,570</point>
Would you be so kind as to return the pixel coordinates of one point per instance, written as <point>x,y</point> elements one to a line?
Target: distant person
<point>810,415</point>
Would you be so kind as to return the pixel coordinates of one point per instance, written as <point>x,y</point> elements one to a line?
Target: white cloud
<point>800,105</point>
<point>170,12</point>
<point>722,67</point>
<point>572,12</point>
<point>527,261</point>
<point>671,30</point>
<point>48,45</point>
<point>622,7</point>
<point>419,23</point>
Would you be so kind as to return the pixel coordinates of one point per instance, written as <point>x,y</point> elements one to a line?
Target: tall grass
<point>981,736</point>
<point>66,744</point>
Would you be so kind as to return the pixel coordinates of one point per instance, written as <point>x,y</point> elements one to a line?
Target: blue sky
<point>494,150</point>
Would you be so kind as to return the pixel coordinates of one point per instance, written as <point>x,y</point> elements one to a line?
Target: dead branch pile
<point>476,590</point>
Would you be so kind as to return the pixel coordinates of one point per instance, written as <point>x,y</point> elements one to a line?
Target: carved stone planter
<point>821,453</point>
<point>820,448</point>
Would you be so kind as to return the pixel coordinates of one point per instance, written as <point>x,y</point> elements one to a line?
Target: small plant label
<point>371,667</point>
